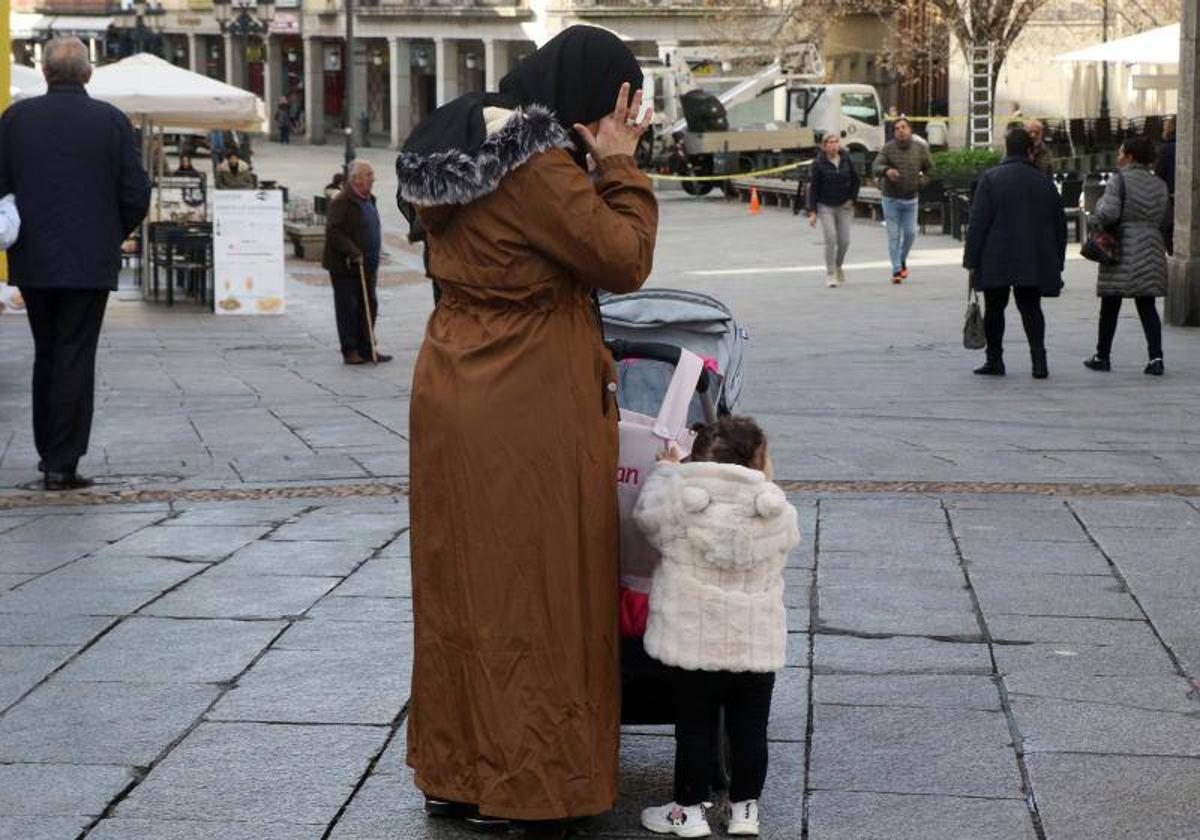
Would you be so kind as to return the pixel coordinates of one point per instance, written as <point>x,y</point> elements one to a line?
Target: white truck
<point>803,112</point>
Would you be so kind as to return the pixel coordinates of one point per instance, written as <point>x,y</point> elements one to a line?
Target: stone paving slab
<point>1103,727</point>
<point>837,815</point>
<point>21,668</point>
<point>58,790</point>
<point>249,597</point>
<point>148,650</point>
<point>1156,796</point>
<point>42,828</point>
<point>304,558</point>
<point>206,544</point>
<point>122,829</point>
<point>34,630</point>
<point>280,774</point>
<point>949,752</point>
<point>1145,692</point>
<point>100,723</point>
<point>926,691</point>
<point>850,655</point>
<point>40,557</point>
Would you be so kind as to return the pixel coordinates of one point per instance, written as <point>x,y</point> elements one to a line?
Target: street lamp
<point>244,23</point>
<point>147,23</point>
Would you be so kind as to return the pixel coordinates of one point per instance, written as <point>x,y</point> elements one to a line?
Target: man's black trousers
<point>66,328</point>
<point>348,307</point>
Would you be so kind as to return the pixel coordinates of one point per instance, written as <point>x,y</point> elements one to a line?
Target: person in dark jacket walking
<point>353,240</point>
<point>832,188</point>
<point>1136,202</point>
<point>283,119</point>
<point>72,164</point>
<point>1016,244</point>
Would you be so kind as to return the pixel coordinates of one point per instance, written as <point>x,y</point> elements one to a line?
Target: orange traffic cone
<point>755,204</point>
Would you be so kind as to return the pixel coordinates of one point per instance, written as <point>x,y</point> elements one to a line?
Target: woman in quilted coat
<point>1136,201</point>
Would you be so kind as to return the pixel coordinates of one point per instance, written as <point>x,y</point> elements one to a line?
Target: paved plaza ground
<point>994,632</point>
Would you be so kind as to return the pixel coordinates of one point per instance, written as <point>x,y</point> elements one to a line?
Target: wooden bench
<point>308,241</point>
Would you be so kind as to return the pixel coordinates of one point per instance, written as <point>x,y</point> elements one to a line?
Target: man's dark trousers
<point>348,307</point>
<point>66,328</point>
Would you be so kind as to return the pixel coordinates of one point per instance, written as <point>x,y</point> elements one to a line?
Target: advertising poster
<point>248,252</point>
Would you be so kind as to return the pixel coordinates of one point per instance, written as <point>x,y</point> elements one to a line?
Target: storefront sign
<point>188,20</point>
<point>285,23</point>
<point>248,252</point>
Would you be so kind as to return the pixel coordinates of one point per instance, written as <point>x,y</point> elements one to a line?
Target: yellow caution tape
<point>756,174</point>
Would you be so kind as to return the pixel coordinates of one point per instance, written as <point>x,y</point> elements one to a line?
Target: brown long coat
<point>516,684</point>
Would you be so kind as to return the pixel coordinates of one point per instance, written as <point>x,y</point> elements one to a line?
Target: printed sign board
<point>248,252</point>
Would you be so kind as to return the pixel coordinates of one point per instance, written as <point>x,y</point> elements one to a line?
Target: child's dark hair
<point>730,440</point>
<point>1140,148</point>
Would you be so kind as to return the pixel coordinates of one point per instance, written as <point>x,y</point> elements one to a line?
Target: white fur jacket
<point>724,533</point>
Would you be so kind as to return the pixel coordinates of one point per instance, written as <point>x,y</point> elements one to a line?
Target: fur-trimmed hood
<point>454,178</point>
<point>730,516</point>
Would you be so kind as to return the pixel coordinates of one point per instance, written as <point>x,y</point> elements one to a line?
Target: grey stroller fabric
<point>694,321</point>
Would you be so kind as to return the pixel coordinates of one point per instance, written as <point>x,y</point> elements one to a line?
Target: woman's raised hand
<point>618,133</point>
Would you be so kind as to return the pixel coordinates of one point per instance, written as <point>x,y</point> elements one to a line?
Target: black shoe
<point>991,368</point>
<point>488,825</point>
<point>1041,370</point>
<point>382,357</point>
<point>448,809</point>
<point>59,481</point>
<point>1099,363</point>
<point>1155,368</point>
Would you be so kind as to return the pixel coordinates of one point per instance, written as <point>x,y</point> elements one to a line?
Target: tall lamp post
<point>143,35</point>
<point>1104,112</point>
<point>348,86</point>
<point>236,18</point>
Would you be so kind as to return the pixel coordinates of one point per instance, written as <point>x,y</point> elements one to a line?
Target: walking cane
<point>362,275</point>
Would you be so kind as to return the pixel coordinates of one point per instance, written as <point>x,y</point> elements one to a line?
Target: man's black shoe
<point>58,481</point>
<point>1098,362</point>
<point>990,369</point>
<point>382,357</point>
<point>1041,369</point>
<point>488,825</point>
<point>1155,368</point>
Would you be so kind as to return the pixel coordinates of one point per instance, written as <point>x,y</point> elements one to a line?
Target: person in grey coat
<point>1136,201</point>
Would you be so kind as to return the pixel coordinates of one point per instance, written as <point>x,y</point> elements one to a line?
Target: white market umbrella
<point>146,87</point>
<point>25,82</point>
<point>1156,46</point>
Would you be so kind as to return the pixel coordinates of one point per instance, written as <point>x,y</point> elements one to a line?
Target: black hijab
<point>577,75</point>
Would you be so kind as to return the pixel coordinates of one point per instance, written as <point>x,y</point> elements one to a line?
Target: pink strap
<point>672,417</point>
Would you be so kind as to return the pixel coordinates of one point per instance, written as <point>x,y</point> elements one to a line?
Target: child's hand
<point>672,454</point>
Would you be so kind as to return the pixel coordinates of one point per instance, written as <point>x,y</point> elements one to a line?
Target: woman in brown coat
<point>516,685</point>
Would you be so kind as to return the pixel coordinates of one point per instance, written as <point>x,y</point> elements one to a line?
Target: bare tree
<point>977,23</point>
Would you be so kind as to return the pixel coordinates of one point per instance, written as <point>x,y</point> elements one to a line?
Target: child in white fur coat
<point>717,614</point>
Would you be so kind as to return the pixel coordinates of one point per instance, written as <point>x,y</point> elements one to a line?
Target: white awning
<point>23,25</point>
<point>1156,46</point>
<point>80,25</point>
<point>144,85</point>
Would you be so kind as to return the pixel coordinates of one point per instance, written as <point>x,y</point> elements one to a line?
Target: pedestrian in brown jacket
<point>516,684</point>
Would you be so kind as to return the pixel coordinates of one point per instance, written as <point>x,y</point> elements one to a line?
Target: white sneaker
<point>831,281</point>
<point>841,276</point>
<point>675,819</point>
<point>743,818</point>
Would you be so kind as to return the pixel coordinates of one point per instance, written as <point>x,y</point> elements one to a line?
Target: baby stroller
<point>647,332</point>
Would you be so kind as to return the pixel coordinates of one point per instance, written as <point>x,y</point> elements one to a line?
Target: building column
<point>272,81</point>
<point>196,56</point>
<point>314,91</point>
<point>495,62</point>
<point>1183,281</point>
<point>446,67</point>
<point>230,60</point>
<point>362,66</point>
<point>400,81</point>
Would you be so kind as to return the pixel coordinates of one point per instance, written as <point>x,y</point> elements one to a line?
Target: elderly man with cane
<point>353,237</point>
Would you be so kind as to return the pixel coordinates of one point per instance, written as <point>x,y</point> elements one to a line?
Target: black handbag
<point>974,337</point>
<point>1103,244</point>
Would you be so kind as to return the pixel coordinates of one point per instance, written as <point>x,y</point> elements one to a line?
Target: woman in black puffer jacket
<point>832,188</point>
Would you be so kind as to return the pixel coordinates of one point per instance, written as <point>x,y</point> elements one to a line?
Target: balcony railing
<point>78,7</point>
<point>369,7</point>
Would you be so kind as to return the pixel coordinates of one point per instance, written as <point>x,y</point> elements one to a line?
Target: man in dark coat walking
<point>72,164</point>
<point>353,241</point>
<point>1016,240</point>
